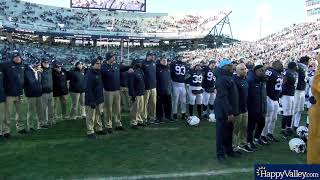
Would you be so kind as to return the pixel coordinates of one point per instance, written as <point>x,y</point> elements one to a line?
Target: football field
<point>165,151</point>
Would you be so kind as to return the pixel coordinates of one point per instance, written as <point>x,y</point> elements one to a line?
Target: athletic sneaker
<point>253,146</point>
<point>259,142</point>
<point>264,139</point>
<point>271,138</point>
<point>245,148</point>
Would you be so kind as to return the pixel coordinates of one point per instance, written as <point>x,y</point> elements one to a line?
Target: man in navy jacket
<point>163,91</point>
<point>47,95</point>
<point>77,87</point>
<point>257,106</point>
<point>136,87</point>
<point>33,92</point>
<point>94,99</point>
<point>226,108</point>
<point>13,85</point>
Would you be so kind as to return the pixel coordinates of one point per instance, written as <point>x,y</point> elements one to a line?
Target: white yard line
<point>178,175</point>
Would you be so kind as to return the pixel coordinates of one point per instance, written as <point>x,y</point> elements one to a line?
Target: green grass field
<point>64,152</point>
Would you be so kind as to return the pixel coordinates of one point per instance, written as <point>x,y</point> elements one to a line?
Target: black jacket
<point>242,86</point>
<point>111,76</point>
<point>32,86</point>
<point>46,80</point>
<point>60,86</point>
<point>149,70</point>
<point>2,91</point>
<point>77,82</point>
<point>163,80</point>
<point>13,78</point>
<point>124,79</point>
<point>136,83</point>
<point>227,99</point>
<point>94,89</point>
<point>257,95</point>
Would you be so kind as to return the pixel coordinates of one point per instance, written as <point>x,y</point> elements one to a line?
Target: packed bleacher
<point>18,14</point>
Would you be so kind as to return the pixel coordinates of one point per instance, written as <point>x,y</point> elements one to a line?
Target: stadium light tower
<point>263,13</point>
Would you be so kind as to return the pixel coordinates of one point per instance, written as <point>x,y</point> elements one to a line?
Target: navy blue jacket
<point>257,95</point>
<point>124,79</point>
<point>163,80</point>
<point>111,76</point>
<point>2,92</point>
<point>77,82</point>
<point>302,82</point>
<point>149,70</point>
<point>46,80</point>
<point>242,86</point>
<point>94,88</point>
<point>60,86</point>
<point>136,84</point>
<point>274,84</point>
<point>227,99</point>
<point>32,86</point>
<point>13,78</point>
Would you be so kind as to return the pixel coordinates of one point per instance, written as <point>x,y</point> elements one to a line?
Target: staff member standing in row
<point>226,107</point>
<point>111,82</point>
<point>33,92</point>
<point>77,87</point>
<point>150,96</point>
<point>163,91</point>
<point>94,99</point>
<point>60,89</point>
<point>14,84</point>
<point>47,96</point>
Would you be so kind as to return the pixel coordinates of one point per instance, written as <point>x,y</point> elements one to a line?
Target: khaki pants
<point>137,111</point>
<point>13,102</point>
<point>63,105</point>
<point>77,98</point>
<point>2,116</point>
<point>93,119</point>
<point>125,99</point>
<point>150,99</point>
<point>112,108</point>
<point>35,113</point>
<point>47,107</point>
<point>240,130</point>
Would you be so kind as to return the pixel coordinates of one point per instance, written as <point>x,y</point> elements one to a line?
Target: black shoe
<point>141,125</point>
<point>171,120</point>
<point>92,136</point>
<point>23,131</point>
<point>271,138</point>
<point>101,133</point>
<point>184,117</point>
<point>290,132</point>
<point>109,130</point>
<point>157,121</point>
<point>284,134</point>
<point>221,158</point>
<point>264,139</point>
<point>120,128</point>
<point>6,136</point>
<point>205,117</point>
<point>44,127</point>
<point>134,127</point>
<point>175,117</point>
<point>260,142</point>
<point>253,146</point>
<point>245,148</point>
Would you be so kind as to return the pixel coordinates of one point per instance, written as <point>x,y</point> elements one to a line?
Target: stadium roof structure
<point>25,17</point>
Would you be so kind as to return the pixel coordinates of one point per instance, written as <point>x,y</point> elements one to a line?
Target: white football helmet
<point>297,145</point>
<point>193,120</point>
<point>302,132</point>
<point>212,118</point>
